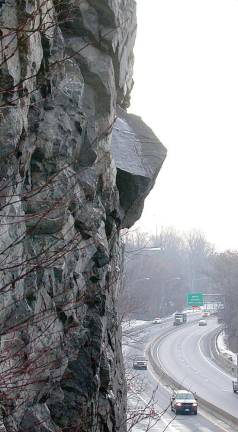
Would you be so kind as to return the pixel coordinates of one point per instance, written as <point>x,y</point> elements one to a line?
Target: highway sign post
<point>195,299</point>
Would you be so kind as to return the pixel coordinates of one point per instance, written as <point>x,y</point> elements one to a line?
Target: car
<point>184,402</point>
<point>202,322</point>
<point>205,314</point>
<point>157,321</point>
<point>235,386</point>
<point>139,362</point>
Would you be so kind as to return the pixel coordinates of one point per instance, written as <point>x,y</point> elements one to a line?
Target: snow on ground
<point>222,347</point>
<point>132,331</point>
<point>188,311</point>
<point>127,325</point>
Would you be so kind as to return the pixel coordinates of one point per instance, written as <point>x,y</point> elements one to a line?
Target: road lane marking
<point>210,361</point>
<point>162,418</point>
<point>204,414</point>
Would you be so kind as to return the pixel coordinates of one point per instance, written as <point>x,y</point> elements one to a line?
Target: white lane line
<point>204,414</point>
<point>215,422</point>
<point>163,420</point>
<point>210,361</point>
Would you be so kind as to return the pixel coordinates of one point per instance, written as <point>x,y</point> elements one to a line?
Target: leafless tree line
<point>162,269</point>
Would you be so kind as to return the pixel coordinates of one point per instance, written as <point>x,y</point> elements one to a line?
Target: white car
<point>202,322</point>
<point>205,314</point>
<point>157,321</point>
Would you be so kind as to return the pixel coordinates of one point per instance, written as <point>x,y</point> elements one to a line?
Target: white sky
<point>186,90</point>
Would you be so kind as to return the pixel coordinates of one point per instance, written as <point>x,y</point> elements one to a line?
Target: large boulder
<point>138,156</point>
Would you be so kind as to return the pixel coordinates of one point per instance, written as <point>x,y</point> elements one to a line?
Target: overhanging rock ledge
<point>67,187</point>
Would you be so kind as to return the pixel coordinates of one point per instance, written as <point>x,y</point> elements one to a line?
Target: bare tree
<point>162,270</point>
<point>225,275</point>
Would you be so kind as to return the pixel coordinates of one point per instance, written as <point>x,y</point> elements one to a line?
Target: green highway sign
<point>195,299</point>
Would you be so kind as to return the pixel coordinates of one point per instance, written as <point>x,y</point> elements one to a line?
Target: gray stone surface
<point>65,69</point>
<point>138,155</point>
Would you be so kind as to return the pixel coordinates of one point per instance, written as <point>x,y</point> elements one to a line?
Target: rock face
<point>65,70</point>
<point>138,155</point>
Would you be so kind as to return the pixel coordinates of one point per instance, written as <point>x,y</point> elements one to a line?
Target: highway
<point>180,353</point>
<point>183,355</point>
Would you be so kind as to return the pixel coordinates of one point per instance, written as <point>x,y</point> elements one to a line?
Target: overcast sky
<point>186,90</point>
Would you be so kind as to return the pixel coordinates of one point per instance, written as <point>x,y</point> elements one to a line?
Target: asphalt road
<point>183,355</point>
<point>145,385</point>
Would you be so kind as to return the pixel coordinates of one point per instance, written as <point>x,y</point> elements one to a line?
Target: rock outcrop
<point>65,71</point>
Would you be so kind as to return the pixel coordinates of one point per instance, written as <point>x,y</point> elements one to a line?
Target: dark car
<point>235,386</point>
<point>184,402</point>
<point>139,362</point>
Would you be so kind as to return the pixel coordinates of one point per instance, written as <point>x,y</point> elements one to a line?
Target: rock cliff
<point>74,169</point>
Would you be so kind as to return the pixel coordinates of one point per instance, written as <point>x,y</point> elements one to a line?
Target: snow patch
<point>126,325</point>
<point>222,347</point>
